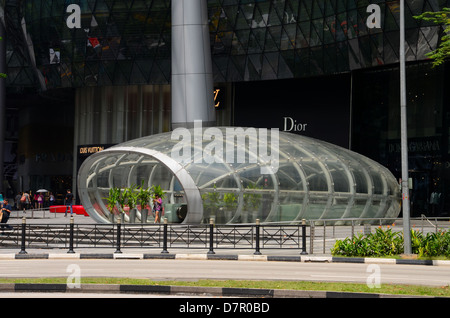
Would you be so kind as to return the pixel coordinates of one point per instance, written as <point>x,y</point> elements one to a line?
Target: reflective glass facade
<point>313,62</point>
<point>128,42</point>
<point>307,179</point>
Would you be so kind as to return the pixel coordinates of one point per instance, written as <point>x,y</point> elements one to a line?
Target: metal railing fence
<point>319,235</point>
<point>153,236</point>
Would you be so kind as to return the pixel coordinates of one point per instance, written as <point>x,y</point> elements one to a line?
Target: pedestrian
<point>51,199</point>
<point>6,211</point>
<point>25,201</point>
<point>157,207</point>
<point>17,200</point>
<point>36,200</point>
<point>40,201</point>
<point>68,202</point>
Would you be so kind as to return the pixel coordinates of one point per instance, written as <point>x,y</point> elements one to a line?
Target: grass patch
<point>443,291</point>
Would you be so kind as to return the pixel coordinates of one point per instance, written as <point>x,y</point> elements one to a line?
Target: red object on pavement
<point>57,209</point>
<point>77,209</point>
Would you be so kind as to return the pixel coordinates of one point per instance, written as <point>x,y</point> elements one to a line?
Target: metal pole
<point>257,252</point>
<point>211,236</point>
<point>71,251</point>
<point>164,251</point>
<point>118,236</point>
<point>404,136</point>
<point>24,224</point>
<point>303,238</point>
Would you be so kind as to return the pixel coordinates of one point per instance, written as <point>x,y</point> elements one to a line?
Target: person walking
<point>40,201</point>
<point>17,200</point>
<point>25,201</point>
<point>68,202</point>
<point>51,199</point>
<point>157,206</point>
<point>6,211</point>
<point>35,201</point>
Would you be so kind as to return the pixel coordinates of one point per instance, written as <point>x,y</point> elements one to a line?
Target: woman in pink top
<point>157,207</point>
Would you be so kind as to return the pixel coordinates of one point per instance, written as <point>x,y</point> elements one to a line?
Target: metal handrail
<point>74,236</point>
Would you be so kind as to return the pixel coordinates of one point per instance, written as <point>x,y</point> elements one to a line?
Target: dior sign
<point>291,124</point>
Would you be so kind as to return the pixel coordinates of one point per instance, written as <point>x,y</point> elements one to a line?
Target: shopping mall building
<point>83,78</point>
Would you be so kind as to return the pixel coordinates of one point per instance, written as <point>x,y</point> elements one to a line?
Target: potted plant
<point>252,201</point>
<point>157,190</point>
<point>144,197</point>
<point>132,197</point>
<point>210,204</point>
<point>230,202</point>
<point>122,201</point>
<point>112,200</point>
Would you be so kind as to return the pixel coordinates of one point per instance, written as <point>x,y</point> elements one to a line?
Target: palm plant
<point>157,190</point>
<point>144,196</point>
<point>112,199</point>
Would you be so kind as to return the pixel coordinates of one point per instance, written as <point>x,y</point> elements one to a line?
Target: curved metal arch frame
<point>326,159</point>
<point>193,197</point>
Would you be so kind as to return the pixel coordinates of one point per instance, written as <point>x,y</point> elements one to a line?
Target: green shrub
<point>389,243</point>
<point>431,244</point>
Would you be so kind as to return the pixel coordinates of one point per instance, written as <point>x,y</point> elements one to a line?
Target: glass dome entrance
<point>307,179</point>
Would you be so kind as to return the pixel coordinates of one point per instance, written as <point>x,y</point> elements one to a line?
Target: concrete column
<point>192,78</point>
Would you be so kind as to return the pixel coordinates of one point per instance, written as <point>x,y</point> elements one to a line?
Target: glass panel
<point>315,177</point>
<point>339,177</point>
<point>309,182</point>
<point>361,182</point>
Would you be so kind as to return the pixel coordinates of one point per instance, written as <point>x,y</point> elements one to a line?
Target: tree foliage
<point>441,18</point>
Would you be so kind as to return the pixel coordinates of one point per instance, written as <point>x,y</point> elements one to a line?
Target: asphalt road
<point>216,269</point>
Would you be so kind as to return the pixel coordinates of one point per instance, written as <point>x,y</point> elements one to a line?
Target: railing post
<point>211,236</point>
<point>257,252</point>
<point>22,249</point>
<point>164,251</point>
<point>311,237</point>
<point>119,225</point>
<point>303,238</point>
<point>71,251</point>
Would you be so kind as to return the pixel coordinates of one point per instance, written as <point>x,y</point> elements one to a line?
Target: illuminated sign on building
<point>84,151</point>
<point>216,101</point>
<point>90,150</point>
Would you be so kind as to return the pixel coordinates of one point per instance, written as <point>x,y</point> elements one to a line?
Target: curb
<point>230,257</point>
<point>189,291</point>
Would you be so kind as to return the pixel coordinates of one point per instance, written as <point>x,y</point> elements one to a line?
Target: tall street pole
<point>404,137</point>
